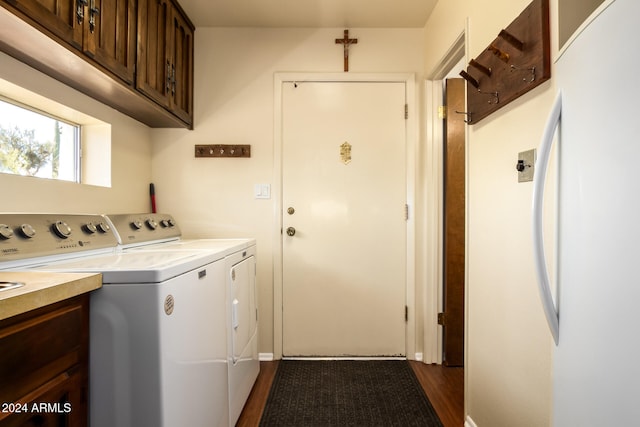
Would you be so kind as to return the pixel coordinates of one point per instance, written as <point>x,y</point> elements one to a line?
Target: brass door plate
<point>223,150</point>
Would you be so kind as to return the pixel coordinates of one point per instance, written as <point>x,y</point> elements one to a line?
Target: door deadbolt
<point>291,211</point>
<point>291,231</point>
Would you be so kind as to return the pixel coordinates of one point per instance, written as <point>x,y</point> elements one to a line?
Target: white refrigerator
<point>594,314</point>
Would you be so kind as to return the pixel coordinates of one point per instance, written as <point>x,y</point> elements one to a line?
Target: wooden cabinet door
<point>454,225</point>
<point>181,59</point>
<point>110,36</point>
<point>63,18</point>
<point>153,66</point>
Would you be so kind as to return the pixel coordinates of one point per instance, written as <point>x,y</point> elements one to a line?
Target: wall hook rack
<point>223,150</point>
<point>524,45</point>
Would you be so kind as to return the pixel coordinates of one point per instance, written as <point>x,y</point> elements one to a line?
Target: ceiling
<point>309,13</point>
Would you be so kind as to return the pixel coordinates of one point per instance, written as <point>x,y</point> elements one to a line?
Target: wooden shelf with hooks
<point>518,60</point>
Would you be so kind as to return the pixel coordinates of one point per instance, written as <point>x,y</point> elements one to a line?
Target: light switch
<point>262,191</point>
<point>526,165</point>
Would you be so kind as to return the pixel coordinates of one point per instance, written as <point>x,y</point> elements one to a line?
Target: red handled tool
<point>152,194</point>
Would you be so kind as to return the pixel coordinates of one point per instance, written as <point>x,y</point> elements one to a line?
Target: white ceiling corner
<point>309,13</point>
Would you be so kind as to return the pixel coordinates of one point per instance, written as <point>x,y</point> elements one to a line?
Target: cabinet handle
<point>168,85</point>
<point>93,11</point>
<point>173,79</point>
<point>80,4</point>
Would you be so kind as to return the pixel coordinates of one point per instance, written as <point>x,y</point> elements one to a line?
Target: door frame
<point>411,166</point>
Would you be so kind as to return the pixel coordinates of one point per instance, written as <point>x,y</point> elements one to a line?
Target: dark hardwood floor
<point>444,386</point>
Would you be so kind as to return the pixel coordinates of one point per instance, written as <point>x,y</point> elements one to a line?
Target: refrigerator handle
<point>550,310</point>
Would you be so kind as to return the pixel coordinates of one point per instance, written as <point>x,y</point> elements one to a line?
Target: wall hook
<point>496,95</point>
<point>511,39</point>
<point>504,56</point>
<point>479,66</point>
<point>531,69</point>
<point>468,114</point>
<point>468,77</point>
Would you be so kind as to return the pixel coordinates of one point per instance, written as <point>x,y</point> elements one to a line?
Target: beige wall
<point>234,89</point>
<point>509,348</point>
<point>130,161</point>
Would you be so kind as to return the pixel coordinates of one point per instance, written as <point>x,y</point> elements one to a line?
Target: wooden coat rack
<point>518,60</point>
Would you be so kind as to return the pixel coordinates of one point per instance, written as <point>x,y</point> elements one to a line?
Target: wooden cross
<point>346,42</point>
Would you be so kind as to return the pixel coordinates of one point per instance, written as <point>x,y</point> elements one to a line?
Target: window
<point>34,143</point>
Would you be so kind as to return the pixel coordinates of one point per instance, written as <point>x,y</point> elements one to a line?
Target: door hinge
<point>406,111</point>
<point>441,319</point>
<point>406,313</point>
<point>442,112</point>
<point>406,212</point>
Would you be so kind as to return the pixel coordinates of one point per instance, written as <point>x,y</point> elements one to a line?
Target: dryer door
<point>243,314</point>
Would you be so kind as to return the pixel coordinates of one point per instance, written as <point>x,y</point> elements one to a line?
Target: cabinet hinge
<point>406,111</point>
<point>406,212</point>
<point>406,313</point>
<point>442,112</point>
<point>441,319</point>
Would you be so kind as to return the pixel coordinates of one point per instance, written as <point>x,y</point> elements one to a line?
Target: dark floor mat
<point>347,393</point>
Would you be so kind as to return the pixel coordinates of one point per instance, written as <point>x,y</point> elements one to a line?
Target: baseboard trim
<point>469,422</point>
<point>344,358</point>
<point>265,357</point>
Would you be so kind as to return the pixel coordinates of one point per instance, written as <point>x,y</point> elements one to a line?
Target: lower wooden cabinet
<point>44,366</point>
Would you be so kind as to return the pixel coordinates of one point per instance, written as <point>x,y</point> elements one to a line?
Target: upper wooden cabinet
<point>114,51</point>
<point>62,18</point>
<point>103,29</point>
<point>110,35</point>
<point>165,56</point>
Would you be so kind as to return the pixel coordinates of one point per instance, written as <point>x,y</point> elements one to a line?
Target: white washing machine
<point>158,342</point>
<point>160,232</point>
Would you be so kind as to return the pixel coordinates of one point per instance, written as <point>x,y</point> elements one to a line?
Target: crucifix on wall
<point>346,42</point>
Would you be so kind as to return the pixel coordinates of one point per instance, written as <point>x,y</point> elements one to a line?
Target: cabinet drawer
<point>40,345</point>
<point>59,402</point>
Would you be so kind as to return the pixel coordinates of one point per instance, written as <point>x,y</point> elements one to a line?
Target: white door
<point>344,195</point>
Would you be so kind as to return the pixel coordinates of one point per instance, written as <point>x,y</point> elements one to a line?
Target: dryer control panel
<point>137,229</point>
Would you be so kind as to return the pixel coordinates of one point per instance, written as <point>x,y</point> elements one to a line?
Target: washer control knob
<point>103,227</point>
<point>27,230</point>
<point>137,224</point>
<point>5,231</point>
<point>62,229</point>
<point>172,222</point>
<point>152,224</point>
<point>90,228</point>
<point>164,223</point>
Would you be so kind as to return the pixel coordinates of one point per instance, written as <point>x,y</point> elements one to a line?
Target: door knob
<point>291,231</point>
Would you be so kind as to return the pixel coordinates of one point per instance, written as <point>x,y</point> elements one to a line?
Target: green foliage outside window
<point>35,144</point>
